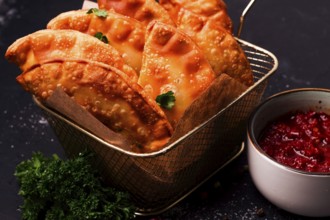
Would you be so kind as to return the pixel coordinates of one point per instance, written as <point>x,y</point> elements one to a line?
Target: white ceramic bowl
<point>296,191</point>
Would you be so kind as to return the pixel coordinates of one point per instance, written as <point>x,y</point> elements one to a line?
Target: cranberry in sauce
<point>300,140</point>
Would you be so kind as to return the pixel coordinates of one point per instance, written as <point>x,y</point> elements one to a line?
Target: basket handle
<point>241,20</point>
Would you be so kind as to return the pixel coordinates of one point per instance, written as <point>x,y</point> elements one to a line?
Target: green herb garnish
<point>101,37</point>
<point>166,100</point>
<point>68,189</point>
<point>98,12</point>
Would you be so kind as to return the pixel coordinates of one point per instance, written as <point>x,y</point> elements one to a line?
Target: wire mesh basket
<point>157,181</point>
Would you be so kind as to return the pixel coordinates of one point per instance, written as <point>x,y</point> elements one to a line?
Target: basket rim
<point>187,135</point>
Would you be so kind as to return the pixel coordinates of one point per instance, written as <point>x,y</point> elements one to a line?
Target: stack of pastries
<point>115,60</point>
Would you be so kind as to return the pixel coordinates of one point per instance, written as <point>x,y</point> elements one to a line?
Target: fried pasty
<point>123,33</point>
<point>45,45</point>
<point>220,48</point>
<point>142,10</point>
<point>106,93</point>
<point>173,62</point>
<point>215,10</point>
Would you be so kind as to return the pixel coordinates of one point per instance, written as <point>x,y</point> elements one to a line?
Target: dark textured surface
<point>297,32</point>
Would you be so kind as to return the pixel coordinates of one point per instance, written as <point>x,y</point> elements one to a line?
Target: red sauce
<point>299,140</point>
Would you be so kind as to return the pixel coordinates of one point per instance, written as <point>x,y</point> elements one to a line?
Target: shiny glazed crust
<point>125,34</point>
<point>173,62</point>
<point>142,10</point>
<point>108,94</point>
<point>45,45</point>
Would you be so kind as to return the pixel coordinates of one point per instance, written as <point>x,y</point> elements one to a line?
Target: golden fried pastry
<point>142,10</point>
<point>123,33</point>
<point>147,49</point>
<point>220,48</point>
<point>173,62</point>
<point>106,93</point>
<point>45,45</point>
<point>215,10</point>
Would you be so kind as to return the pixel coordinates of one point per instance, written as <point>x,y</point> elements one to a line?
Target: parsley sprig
<point>101,37</point>
<point>68,189</point>
<point>98,12</point>
<point>166,100</point>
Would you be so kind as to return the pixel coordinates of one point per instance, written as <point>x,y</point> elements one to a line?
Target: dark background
<point>296,31</point>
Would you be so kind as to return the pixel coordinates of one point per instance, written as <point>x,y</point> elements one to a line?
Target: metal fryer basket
<point>159,180</point>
